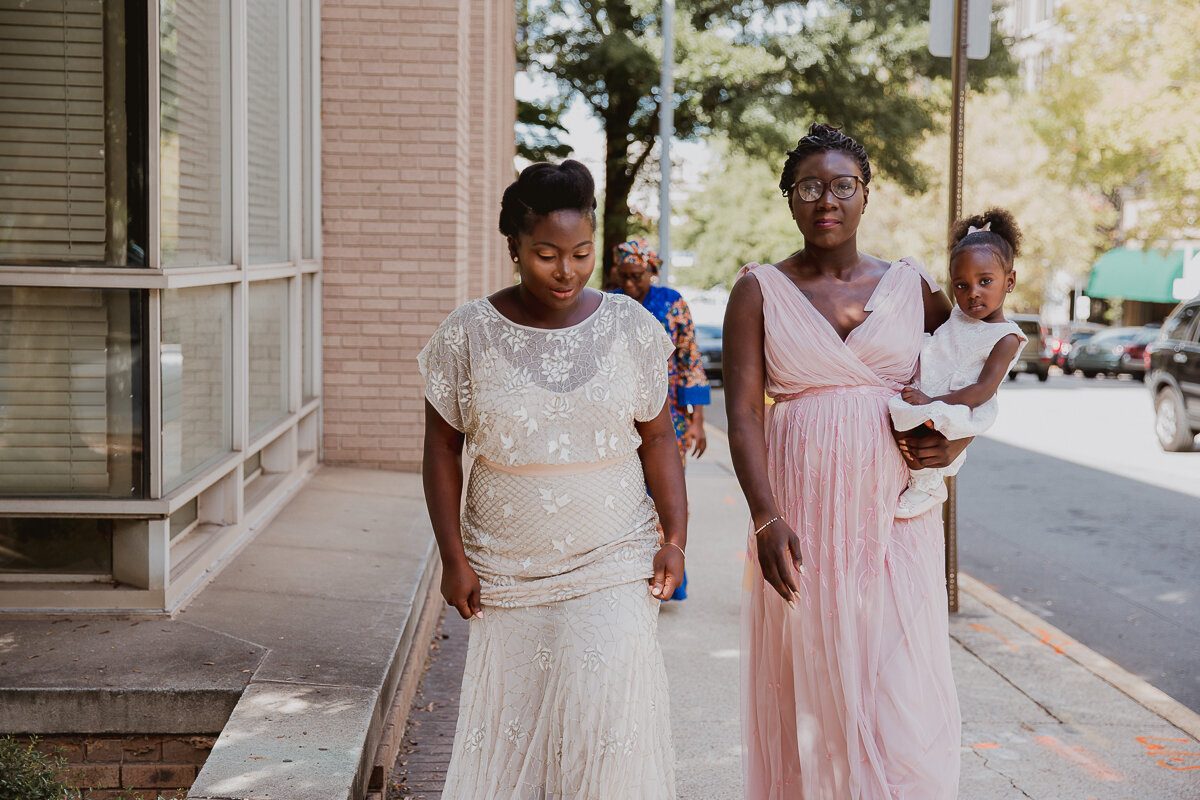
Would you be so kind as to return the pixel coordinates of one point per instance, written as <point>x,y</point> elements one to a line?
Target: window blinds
<point>52,182</point>
<point>53,408</point>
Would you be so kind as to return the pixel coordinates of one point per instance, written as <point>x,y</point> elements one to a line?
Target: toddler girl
<point>964,361</point>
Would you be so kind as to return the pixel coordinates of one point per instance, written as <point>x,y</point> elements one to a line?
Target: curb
<point>1118,677</point>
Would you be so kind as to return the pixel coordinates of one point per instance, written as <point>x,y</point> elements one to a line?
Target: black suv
<point>1173,367</point>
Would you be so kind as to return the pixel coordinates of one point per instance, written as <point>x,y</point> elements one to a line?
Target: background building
<point>226,229</point>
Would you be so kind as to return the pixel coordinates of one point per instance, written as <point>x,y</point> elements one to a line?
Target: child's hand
<point>914,396</point>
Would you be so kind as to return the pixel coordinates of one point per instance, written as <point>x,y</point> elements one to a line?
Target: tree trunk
<point>617,185</point>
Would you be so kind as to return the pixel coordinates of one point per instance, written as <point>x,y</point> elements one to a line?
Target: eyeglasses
<point>810,190</point>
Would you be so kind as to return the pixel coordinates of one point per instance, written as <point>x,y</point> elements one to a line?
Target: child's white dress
<point>951,358</point>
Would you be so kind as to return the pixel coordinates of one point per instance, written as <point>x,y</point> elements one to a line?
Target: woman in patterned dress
<point>634,267</point>
<point>558,394</point>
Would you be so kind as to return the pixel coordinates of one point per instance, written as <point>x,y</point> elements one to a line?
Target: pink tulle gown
<point>850,696</point>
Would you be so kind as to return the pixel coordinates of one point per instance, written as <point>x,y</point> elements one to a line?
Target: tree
<point>756,70</point>
<point>1120,104</point>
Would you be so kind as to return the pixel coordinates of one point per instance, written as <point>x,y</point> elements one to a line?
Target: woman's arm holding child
<point>982,390</point>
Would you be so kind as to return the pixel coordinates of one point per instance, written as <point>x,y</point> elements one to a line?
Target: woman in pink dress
<point>846,688</point>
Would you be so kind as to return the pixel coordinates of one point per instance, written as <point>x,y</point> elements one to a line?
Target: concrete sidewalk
<point>1044,718</point>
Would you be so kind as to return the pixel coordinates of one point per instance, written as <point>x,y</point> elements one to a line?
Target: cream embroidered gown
<point>850,696</point>
<point>564,694</point>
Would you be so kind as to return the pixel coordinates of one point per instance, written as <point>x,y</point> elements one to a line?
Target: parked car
<point>1174,377</point>
<point>1034,357</point>
<point>1116,351</point>
<point>708,339</point>
<point>1072,346</point>
<point>1064,338</point>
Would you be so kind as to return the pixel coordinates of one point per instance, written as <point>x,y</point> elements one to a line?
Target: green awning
<point>1146,275</point>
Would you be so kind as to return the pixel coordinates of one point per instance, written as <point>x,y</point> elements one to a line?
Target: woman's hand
<point>460,587</point>
<point>780,560</point>
<point>930,451</point>
<point>668,571</point>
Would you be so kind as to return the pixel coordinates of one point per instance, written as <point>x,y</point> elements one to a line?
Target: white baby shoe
<point>914,502</point>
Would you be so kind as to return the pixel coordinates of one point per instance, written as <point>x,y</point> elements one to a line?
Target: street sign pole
<point>666,130</point>
<point>958,113</point>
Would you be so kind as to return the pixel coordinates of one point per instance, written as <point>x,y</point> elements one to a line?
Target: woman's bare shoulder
<point>746,288</point>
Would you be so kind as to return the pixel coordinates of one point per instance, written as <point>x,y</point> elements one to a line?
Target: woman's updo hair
<point>823,138</point>
<point>542,188</point>
<point>995,228</point>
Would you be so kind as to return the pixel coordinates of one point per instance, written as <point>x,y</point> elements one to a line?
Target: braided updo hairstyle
<point>1002,237</point>
<point>543,188</point>
<point>823,138</point>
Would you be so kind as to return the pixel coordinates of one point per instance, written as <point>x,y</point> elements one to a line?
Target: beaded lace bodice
<point>528,396</point>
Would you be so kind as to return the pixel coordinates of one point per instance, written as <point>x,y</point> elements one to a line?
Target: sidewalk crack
<point>1006,679</point>
<point>987,764</point>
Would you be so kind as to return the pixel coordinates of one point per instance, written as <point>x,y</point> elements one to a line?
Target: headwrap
<point>636,251</point>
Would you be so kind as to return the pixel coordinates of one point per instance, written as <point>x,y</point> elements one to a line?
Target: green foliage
<point>539,127</point>
<point>757,71</point>
<point>1120,104</point>
<point>26,774</point>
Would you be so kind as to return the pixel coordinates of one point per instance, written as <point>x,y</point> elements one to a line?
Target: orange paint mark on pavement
<point>1047,639</point>
<point>986,629</point>
<point>1183,759</point>
<point>1079,755</point>
<point>985,745</point>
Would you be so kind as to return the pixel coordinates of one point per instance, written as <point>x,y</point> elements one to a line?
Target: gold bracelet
<point>677,547</point>
<point>766,525</point>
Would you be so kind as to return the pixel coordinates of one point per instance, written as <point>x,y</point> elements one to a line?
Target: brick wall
<point>417,127</point>
<point>123,767</point>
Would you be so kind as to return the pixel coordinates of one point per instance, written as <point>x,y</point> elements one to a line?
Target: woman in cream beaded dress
<point>558,393</point>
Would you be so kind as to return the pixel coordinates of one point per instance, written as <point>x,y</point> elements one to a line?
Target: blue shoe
<point>681,589</point>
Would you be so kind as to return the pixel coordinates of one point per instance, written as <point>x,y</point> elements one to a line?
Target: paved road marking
<point>1081,756</point>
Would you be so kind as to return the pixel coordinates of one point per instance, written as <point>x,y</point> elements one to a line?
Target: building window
<point>268,336</point>
<point>71,386</point>
<point>267,141</point>
<point>197,385</point>
<point>73,143</point>
<point>195,134</point>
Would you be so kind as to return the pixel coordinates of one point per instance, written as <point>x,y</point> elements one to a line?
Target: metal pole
<point>958,113</point>
<point>666,130</point>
